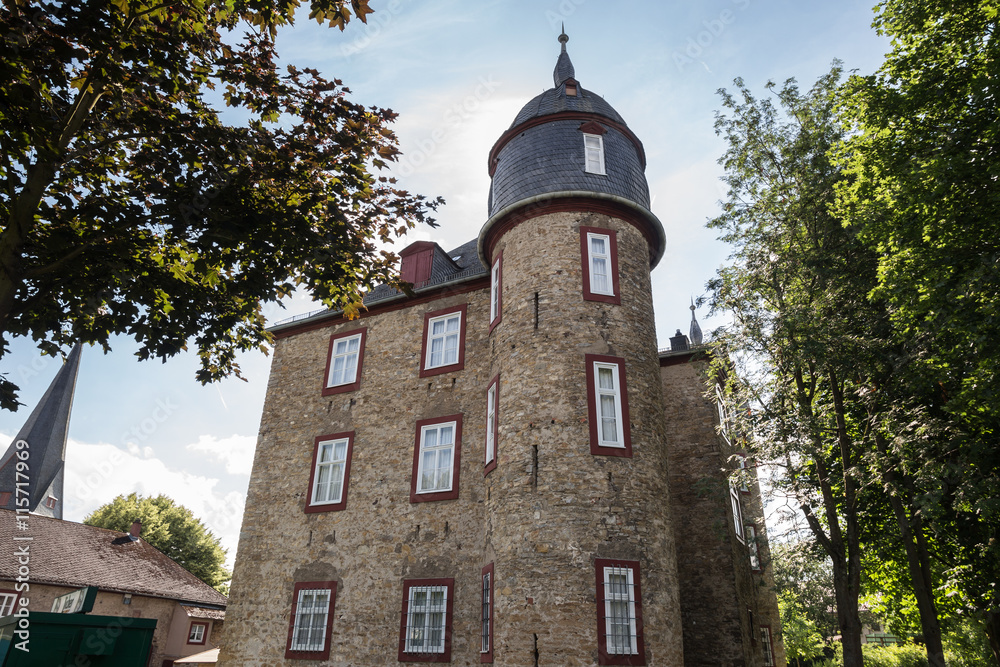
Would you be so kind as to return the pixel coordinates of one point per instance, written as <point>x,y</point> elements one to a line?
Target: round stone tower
<point>577,504</point>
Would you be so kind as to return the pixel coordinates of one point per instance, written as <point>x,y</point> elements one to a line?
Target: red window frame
<point>311,655</point>
<point>769,652</point>
<point>456,461</point>
<point>426,657</point>
<point>595,447</point>
<point>490,464</point>
<point>460,364</point>
<point>615,297</point>
<point>488,656</point>
<point>498,263</point>
<point>204,633</point>
<point>603,657</point>
<point>342,388</point>
<point>330,507</point>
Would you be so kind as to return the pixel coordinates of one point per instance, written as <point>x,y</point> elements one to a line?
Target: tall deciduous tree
<point>924,161</point>
<point>129,206</point>
<point>172,529</point>
<point>795,290</point>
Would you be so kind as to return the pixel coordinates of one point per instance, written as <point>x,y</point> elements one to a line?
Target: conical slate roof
<point>45,433</point>
<point>543,151</point>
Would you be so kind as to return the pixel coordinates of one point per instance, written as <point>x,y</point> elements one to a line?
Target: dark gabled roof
<point>458,264</point>
<point>64,553</point>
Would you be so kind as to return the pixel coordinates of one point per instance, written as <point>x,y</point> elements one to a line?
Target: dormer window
<point>593,148</point>
<point>571,88</point>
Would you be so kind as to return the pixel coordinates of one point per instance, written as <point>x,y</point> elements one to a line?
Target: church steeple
<point>564,66</point>
<point>45,433</point>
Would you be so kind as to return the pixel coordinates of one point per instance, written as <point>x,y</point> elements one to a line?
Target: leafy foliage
<point>801,638</point>
<point>129,206</point>
<point>803,577</point>
<point>172,529</point>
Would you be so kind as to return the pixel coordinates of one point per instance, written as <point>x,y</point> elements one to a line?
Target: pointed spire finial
<point>695,331</point>
<point>564,68</point>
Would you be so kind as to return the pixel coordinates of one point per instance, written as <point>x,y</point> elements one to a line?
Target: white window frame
<point>734,501</point>
<point>195,637</point>
<point>437,426</point>
<point>332,463</point>
<point>592,259</point>
<point>486,614</point>
<point>766,646</point>
<point>426,626</point>
<point>345,357</point>
<point>444,336</point>
<point>319,609</point>
<point>742,462</point>
<point>723,414</point>
<point>593,156</point>
<point>8,602</point>
<point>609,598</point>
<point>751,534</point>
<point>615,393</point>
<point>491,425</point>
<point>495,291</point>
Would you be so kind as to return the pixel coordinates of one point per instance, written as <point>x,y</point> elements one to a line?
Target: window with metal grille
<point>593,148</point>
<point>765,642</point>
<point>425,627</point>
<point>311,618</point>
<point>486,618</point>
<point>619,613</point>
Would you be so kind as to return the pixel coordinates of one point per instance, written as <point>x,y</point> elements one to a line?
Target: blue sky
<point>457,72</point>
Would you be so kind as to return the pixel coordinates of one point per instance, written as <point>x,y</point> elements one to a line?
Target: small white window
<point>619,611</point>
<point>765,642</point>
<point>607,387</point>
<point>344,361</point>
<point>309,631</point>
<point>734,499</point>
<point>742,462</point>
<point>197,634</point>
<point>495,291</point>
<point>491,422</point>
<point>752,546</point>
<point>593,148</point>
<point>443,339</point>
<point>437,454</point>
<point>425,619</point>
<point>723,413</point>
<point>7,602</point>
<point>328,478</point>
<point>599,251</point>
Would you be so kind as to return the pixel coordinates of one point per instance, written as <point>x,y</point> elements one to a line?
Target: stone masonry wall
<point>552,506</point>
<point>381,538</point>
<point>722,600</point>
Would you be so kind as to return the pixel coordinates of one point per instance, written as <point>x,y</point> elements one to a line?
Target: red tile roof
<point>64,553</point>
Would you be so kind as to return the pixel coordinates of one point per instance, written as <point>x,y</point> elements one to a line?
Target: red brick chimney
<point>135,530</point>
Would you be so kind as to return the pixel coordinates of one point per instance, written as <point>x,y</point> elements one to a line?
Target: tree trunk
<point>993,633</point>
<point>918,561</point>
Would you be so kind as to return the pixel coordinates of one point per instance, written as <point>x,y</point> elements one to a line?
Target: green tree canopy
<point>172,529</point>
<point>130,205</point>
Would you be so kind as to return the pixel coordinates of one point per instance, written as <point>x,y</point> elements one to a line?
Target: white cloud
<point>97,474</point>
<point>236,451</point>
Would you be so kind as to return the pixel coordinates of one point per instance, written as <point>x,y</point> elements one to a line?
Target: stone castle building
<point>501,467</point>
